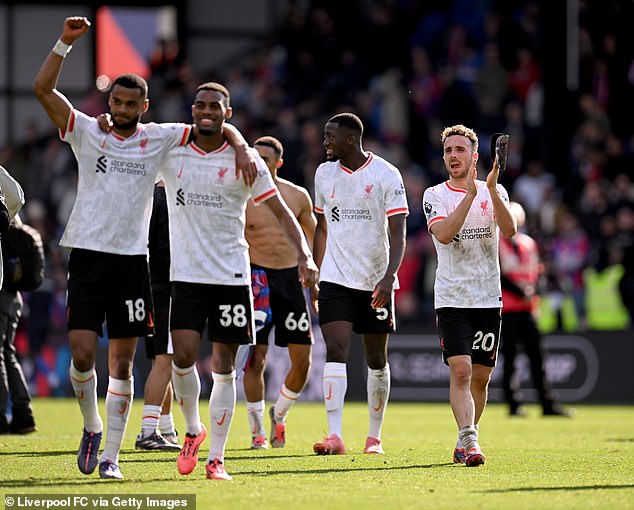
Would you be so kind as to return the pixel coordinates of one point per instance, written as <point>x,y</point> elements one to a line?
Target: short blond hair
<point>461,130</point>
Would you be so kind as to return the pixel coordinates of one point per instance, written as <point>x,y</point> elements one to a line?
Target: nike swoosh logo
<point>180,172</point>
<point>123,408</point>
<point>329,396</point>
<point>81,395</point>
<point>377,408</point>
<point>222,420</point>
<point>180,402</point>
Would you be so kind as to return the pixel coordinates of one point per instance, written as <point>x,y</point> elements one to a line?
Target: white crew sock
<point>468,437</point>
<point>166,424</point>
<point>150,419</point>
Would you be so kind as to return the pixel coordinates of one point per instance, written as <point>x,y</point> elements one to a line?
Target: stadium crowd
<point>407,69</point>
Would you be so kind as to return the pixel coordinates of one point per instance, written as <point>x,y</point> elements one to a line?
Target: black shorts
<point>111,288</point>
<point>339,303</point>
<point>280,301</point>
<point>471,331</point>
<point>226,309</point>
<point>160,343</point>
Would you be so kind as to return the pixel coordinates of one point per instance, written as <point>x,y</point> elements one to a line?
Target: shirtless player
<point>280,301</point>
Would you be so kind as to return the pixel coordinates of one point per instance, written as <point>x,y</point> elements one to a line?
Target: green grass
<point>533,463</point>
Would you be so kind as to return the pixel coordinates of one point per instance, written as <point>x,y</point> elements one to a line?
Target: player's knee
<point>121,367</point>
<point>83,357</point>
<point>83,362</point>
<point>257,362</point>
<point>461,374</point>
<point>184,357</point>
<point>376,361</point>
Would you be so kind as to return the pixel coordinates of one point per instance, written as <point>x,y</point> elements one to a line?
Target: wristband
<point>61,48</point>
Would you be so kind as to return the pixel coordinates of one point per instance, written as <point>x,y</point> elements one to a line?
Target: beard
<point>126,125</point>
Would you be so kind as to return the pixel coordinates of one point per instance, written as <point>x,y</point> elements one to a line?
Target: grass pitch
<point>533,463</point>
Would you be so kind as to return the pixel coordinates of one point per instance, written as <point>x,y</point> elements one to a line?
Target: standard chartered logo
<point>102,164</point>
<point>180,197</point>
<point>127,167</point>
<point>356,214</point>
<point>337,214</point>
<point>198,199</point>
<point>477,233</point>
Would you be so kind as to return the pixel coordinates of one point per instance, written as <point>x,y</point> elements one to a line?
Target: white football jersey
<point>207,203</point>
<point>468,272</point>
<point>356,206</point>
<point>115,184</point>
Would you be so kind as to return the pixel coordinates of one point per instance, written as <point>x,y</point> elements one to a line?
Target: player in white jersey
<point>463,215</point>
<point>107,232</point>
<point>359,245</point>
<point>210,270</point>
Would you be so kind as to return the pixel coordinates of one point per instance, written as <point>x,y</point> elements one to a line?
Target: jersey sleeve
<point>78,123</point>
<point>175,134</point>
<point>395,197</point>
<point>264,187</point>
<point>433,207</point>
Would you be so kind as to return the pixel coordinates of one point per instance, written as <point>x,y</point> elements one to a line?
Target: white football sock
<point>459,442</point>
<point>85,387</point>
<point>150,419</point>
<point>222,404</point>
<point>468,437</point>
<point>285,401</point>
<point>186,384</point>
<point>118,402</point>
<point>378,387</point>
<point>255,413</point>
<point>335,386</point>
<point>166,424</point>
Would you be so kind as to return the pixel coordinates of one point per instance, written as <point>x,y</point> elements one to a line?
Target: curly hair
<point>461,130</point>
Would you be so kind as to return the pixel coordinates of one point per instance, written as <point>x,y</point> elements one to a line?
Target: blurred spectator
<point>532,186</point>
<point>521,268</point>
<point>593,205</point>
<point>424,89</point>
<point>490,90</point>
<point>390,106</point>
<point>525,75</point>
<point>569,252</point>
